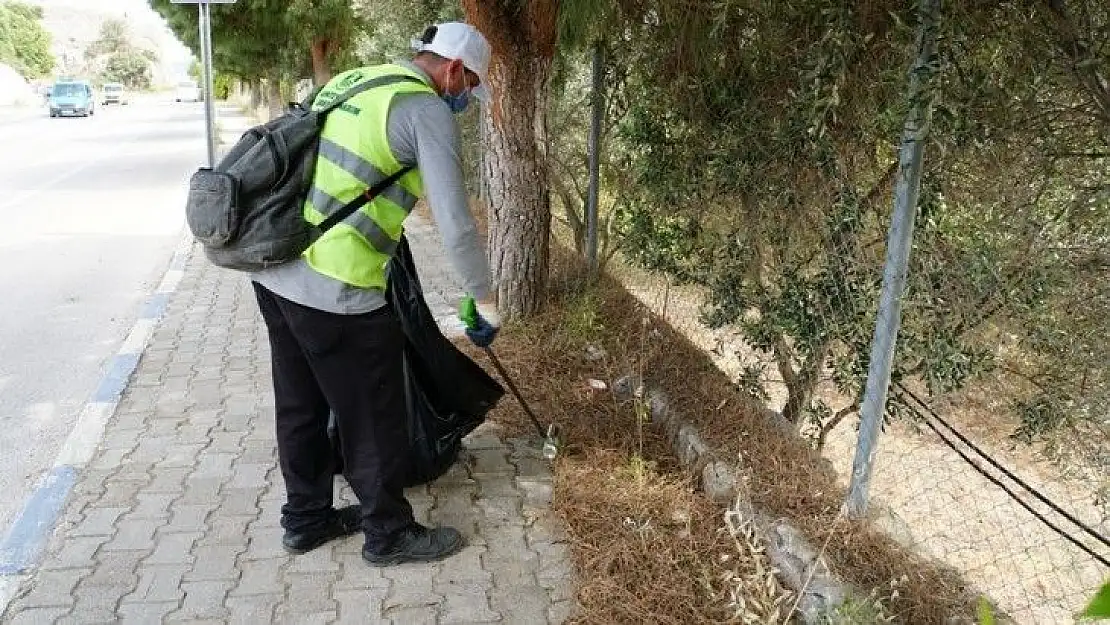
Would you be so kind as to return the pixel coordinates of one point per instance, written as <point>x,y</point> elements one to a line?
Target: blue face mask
<point>458,103</point>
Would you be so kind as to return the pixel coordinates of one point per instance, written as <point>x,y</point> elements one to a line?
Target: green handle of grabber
<point>468,313</point>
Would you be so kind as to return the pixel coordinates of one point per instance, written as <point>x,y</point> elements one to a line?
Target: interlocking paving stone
<point>176,519</point>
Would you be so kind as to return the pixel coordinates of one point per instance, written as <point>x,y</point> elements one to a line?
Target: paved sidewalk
<point>176,517</point>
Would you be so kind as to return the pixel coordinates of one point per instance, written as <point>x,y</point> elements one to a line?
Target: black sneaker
<point>345,522</point>
<point>418,544</point>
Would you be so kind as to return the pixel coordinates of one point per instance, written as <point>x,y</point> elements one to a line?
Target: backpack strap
<point>380,81</point>
<point>362,200</point>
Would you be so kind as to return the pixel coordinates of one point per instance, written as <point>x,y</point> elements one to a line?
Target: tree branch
<point>831,424</point>
<point>570,208</point>
<point>783,358</point>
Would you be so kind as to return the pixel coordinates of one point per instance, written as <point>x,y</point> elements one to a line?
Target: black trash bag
<point>447,393</point>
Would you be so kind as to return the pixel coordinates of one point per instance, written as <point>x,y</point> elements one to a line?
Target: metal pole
<point>206,62</point>
<point>598,103</point>
<point>899,244</point>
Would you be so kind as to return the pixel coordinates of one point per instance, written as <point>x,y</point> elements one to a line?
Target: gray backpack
<point>248,211</point>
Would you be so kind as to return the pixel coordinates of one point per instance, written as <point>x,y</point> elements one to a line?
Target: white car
<point>187,91</point>
<point>113,93</point>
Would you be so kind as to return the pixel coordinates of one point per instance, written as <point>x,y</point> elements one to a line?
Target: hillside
<point>75,23</point>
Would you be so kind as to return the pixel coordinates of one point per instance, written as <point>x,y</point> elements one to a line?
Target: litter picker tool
<point>468,314</point>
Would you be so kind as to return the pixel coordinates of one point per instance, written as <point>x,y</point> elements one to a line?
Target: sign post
<point>205,13</point>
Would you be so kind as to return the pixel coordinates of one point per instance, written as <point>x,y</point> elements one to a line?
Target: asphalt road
<point>91,210</point>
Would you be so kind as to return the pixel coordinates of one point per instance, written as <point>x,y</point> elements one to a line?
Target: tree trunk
<point>274,102</point>
<point>523,38</point>
<point>800,386</point>
<point>515,184</point>
<point>254,87</point>
<point>321,68</point>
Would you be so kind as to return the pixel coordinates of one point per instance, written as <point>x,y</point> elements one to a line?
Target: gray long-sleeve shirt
<point>422,132</point>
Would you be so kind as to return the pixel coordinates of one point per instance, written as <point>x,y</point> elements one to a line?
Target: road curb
<point>26,540</point>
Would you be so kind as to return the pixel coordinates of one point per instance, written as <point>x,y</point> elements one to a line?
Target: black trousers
<point>350,365</point>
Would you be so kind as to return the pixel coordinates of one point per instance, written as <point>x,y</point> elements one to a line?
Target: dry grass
<point>610,473</point>
<point>651,550</point>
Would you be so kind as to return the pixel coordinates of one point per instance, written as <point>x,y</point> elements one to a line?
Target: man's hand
<point>481,320</point>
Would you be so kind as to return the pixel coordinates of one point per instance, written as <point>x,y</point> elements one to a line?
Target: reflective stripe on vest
<point>358,220</point>
<point>365,171</point>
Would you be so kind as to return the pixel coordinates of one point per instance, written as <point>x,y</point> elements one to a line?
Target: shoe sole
<point>407,559</point>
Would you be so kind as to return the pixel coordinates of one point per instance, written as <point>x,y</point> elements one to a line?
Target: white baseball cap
<point>456,40</point>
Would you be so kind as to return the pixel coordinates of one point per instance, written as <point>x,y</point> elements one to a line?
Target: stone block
<point>186,518</point>
<point>423,615</point>
<point>98,522</point>
<point>201,491</point>
<point>226,531</point>
<point>504,541</point>
<point>133,535</point>
<point>465,605</point>
<point>119,494</point>
<point>152,448</point>
<point>465,567</point>
<point>500,510</point>
<point>168,480</point>
<point>203,600</point>
<point>213,464</point>
<point>498,486</point>
<point>144,613</point>
<point>720,481</point>
<point>240,501</point>
<point>51,589</point>
<point>265,544</point>
<point>411,587</point>
<point>355,574</point>
<point>173,549</point>
<point>158,584</point>
<point>75,552</point>
<point>513,571</point>
<point>522,603</point>
<point>360,607</point>
<point>214,563</point>
<point>253,609</point>
<point>319,560</point>
<point>261,577</point>
<point>308,593</point>
<point>490,461</point>
<point>537,491</point>
<point>36,616</point>
<point>119,568</point>
<point>97,604</point>
<point>152,506</point>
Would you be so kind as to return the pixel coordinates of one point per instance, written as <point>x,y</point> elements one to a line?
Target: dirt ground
<point>927,498</point>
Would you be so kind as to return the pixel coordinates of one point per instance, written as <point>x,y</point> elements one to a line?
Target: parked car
<point>73,98</point>
<point>187,91</point>
<point>113,93</point>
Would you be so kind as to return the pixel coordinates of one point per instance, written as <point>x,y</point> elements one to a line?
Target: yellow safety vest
<point>354,155</point>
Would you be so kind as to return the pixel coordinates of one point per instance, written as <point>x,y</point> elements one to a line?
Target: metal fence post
<point>899,244</point>
<point>597,101</point>
<point>209,95</point>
